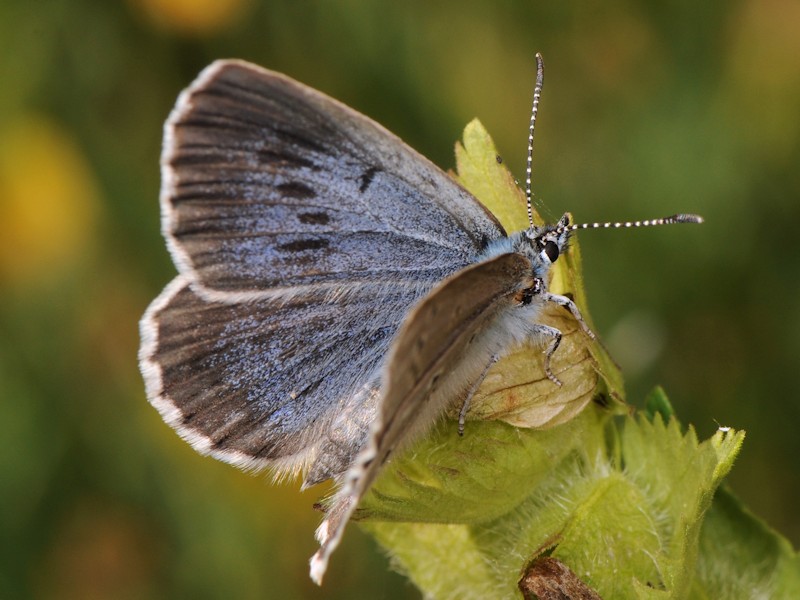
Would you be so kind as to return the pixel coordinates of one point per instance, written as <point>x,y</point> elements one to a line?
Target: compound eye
<point>551,249</point>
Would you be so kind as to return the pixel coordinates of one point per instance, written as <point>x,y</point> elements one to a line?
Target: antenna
<point>679,218</point>
<point>537,92</point>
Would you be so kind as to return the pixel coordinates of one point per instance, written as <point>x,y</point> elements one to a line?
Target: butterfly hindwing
<point>291,385</point>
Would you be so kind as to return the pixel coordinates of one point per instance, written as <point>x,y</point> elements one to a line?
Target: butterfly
<point>336,291</point>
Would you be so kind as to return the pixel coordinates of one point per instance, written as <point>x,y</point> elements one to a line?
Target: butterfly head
<point>549,241</point>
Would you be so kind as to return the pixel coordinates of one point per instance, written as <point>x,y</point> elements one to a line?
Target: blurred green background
<point>648,109</point>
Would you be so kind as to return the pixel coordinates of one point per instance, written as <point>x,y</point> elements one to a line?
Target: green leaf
<point>629,529</point>
<point>482,173</point>
<point>481,476</point>
<point>680,477</point>
<point>625,502</point>
<point>741,557</point>
<point>657,403</point>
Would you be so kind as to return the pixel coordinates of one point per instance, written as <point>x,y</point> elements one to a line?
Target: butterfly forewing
<point>304,233</point>
<point>270,185</point>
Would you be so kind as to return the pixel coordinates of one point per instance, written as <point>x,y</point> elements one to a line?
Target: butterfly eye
<point>551,249</point>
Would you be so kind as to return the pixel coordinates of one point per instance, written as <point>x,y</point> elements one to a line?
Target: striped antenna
<point>681,218</point>
<point>537,92</point>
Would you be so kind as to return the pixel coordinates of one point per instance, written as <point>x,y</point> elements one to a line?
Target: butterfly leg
<point>555,334</point>
<point>462,416</point>
<point>572,307</point>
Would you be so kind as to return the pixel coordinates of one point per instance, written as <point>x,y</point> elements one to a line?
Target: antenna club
<point>682,218</point>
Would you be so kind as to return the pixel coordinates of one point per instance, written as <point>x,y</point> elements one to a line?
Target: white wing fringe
<point>341,508</point>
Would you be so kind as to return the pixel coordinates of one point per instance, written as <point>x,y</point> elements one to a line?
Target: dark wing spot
<point>499,159</point>
<point>366,178</point>
<point>314,218</point>
<point>301,245</point>
<point>295,189</point>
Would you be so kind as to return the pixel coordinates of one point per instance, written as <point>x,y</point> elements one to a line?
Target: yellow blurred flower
<point>48,200</point>
<point>192,17</point>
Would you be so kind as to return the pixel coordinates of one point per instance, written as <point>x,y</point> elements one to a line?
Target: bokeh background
<point>649,108</point>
